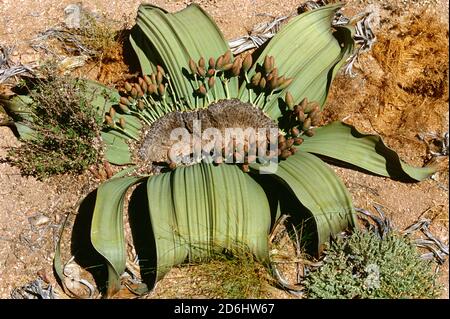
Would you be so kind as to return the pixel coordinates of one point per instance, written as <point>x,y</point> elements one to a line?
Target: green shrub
<point>65,127</point>
<point>365,266</point>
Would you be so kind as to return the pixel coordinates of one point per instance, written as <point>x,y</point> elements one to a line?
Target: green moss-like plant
<point>366,266</point>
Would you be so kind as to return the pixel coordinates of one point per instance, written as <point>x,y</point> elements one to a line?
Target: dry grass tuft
<point>416,58</point>
<point>402,90</point>
<point>237,276</point>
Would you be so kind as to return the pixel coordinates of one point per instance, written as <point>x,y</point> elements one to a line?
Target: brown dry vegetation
<point>402,90</point>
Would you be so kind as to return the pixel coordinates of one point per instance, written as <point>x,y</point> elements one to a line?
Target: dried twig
<point>258,36</point>
<point>34,290</point>
<point>438,250</point>
<point>10,69</point>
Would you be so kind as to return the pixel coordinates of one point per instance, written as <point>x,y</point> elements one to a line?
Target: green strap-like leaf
<point>344,143</point>
<point>199,209</point>
<point>307,50</point>
<point>101,96</point>
<point>171,39</point>
<point>318,188</point>
<point>117,151</point>
<point>107,234</point>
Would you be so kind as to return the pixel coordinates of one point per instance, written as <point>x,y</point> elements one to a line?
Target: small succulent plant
<point>366,266</point>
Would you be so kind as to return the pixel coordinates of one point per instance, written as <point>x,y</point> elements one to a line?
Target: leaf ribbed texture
<point>344,143</point>
<point>318,188</point>
<point>307,50</point>
<point>200,209</point>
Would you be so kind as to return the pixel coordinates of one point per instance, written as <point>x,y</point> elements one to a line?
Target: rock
<point>72,62</point>
<point>38,220</point>
<point>73,16</point>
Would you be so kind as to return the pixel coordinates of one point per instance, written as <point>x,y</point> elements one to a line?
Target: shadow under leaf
<point>81,247</point>
<point>142,232</point>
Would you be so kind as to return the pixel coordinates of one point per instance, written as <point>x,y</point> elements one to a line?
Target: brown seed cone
<point>122,122</point>
<point>282,145</point>
<point>301,117</point>
<point>236,68</point>
<point>247,64</point>
<point>212,63</point>
<point>211,72</point>
<point>306,124</point>
<point>201,62</point>
<point>159,78</point>
<point>281,138</point>
<point>151,89</point>
<point>273,83</point>
<point>227,66</point>
<point>161,89</point>
<point>285,154</point>
<point>124,108</point>
<point>255,79</point>
<point>160,69</point>
<point>274,73</point>
<point>134,93</point>
<point>303,103</point>
<point>153,78</point>
<point>281,80</point>
<point>311,106</point>
<point>285,84</point>
<point>267,64</point>
<point>201,90</point>
<point>144,87</point>
<point>124,100</point>
<point>262,83</point>
<point>112,112</point>
<point>289,142</point>
<point>317,119</point>
<point>219,63</point>
<point>295,131</point>
<point>131,100</point>
<point>147,80</point>
<point>211,82</point>
<point>298,140</point>
<point>201,71</point>
<point>109,121</point>
<point>192,66</point>
<point>289,99</point>
<point>313,113</point>
<point>293,149</point>
<point>309,132</point>
<point>272,61</point>
<point>141,105</point>
<point>227,57</point>
<point>140,92</point>
<point>127,86</point>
